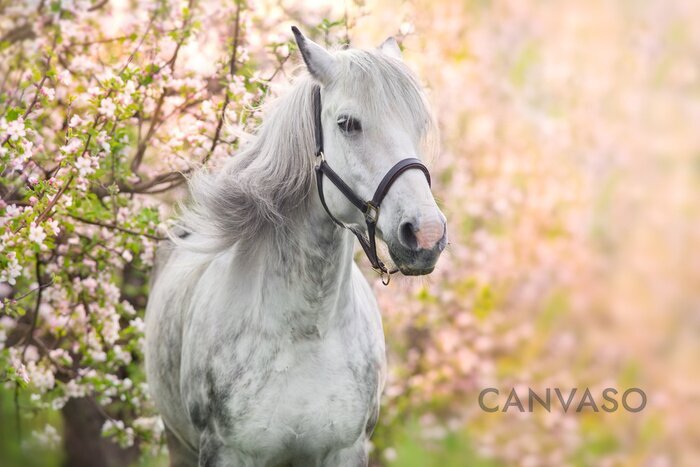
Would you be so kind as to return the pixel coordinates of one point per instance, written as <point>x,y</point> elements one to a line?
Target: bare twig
<point>97,6</point>
<point>279,68</point>
<point>178,177</point>
<point>169,187</point>
<point>35,317</point>
<point>20,33</point>
<point>106,40</point>
<point>31,291</point>
<point>181,41</point>
<point>116,227</point>
<point>155,119</point>
<point>143,144</point>
<point>143,38</point>
<point>232,72</point>
<point>42,217</point>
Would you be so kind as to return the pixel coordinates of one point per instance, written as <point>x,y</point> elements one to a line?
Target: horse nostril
<point>407,235</point>
<point>428,235</point>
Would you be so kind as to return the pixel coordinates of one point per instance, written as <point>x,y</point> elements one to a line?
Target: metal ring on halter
<point>385,277</point>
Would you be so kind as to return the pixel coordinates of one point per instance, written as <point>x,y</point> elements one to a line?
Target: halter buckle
<point>372,212</point>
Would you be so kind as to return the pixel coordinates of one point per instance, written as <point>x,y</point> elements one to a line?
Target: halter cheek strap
<point>370,209</point>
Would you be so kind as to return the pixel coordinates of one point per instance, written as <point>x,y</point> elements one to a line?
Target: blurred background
<point>569,172</point>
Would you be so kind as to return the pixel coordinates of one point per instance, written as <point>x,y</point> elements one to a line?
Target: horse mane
<point>261,184</point>
<point>266,185</point>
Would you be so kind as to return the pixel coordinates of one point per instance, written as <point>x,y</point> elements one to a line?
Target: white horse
<point>264,343</point>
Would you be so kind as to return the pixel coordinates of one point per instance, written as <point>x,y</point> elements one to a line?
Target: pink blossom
<point>64,77</point>
<point>53,226</point>
<point>73,144</point>
<point>90,284</point>
<point>75,120</point>
<point>48,93</point>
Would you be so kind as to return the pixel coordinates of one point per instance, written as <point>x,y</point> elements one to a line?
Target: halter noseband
<point>370,209</point>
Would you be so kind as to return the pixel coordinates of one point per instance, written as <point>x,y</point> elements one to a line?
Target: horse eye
<point>348,124</point>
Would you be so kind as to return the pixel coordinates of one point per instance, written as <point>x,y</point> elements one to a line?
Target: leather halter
<point>370,209</point>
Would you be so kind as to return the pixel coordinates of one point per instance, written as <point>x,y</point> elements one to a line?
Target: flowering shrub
<point>104,110</point>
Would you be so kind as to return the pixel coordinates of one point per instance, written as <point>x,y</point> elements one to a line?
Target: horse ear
<point>320,63</point>
<point>391,48</point>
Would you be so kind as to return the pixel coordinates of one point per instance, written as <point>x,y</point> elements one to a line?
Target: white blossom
<point>48,438</point>
<point>37,234</point>
<point>84,166</point>
<point>15,129</point>
<point>12,270</point>
<point>107,108</point>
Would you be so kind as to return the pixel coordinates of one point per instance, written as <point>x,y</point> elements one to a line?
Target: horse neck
<point>313,264</point>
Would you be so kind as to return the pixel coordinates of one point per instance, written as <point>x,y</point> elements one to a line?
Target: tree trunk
<point>84,444</point>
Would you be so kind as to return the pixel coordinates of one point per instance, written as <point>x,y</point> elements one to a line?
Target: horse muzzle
<point>418,247</point>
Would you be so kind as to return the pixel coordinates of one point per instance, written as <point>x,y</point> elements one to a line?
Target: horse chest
<point>314,394</point>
